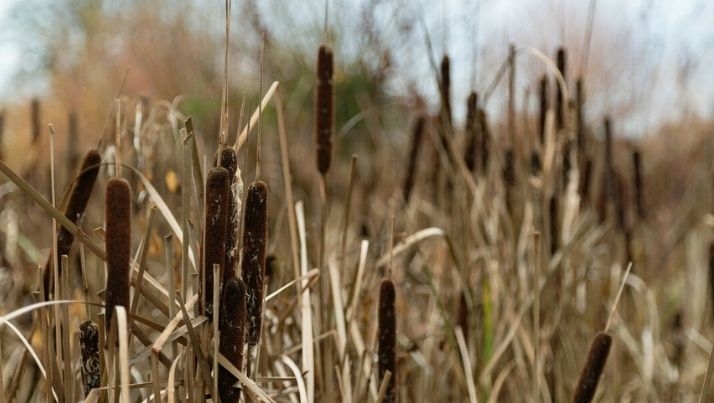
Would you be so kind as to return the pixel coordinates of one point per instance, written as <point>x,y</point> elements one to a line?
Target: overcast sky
<point>660,52</point>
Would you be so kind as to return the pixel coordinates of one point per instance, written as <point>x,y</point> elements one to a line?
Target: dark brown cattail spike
<point>580,129</point>
<point>324,108</point>
<point>78,198</point>
<point>485,141</point>
<point>637,171</point>
<point>543,112</point>
<point>214,233</point>
<point>118,245</point>
<point>229,161</point>
<point>472,131</point>
<point>35,119</point>
<point>387,336</point>
<point>233,317</point>
<point>554,228</point>
<point>255,233</point>
<point>72,141</point>
<point>446,90</point>
<point>89,348</point>
<point>608,185</point>
<point>590,376</point>
<point>559,96</point>
<point>417,134</point>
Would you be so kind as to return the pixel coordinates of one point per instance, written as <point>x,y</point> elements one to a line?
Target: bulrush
<point>233,315</point>
<point>118,245</point>
<point>229,161</point>
<point>255,233</point>
<point>78,198</point>
<point>89,350</point>
<point>590,376</point>
<point>324,108</point>
<point>417,134</point>
<point>472,127</point>
<point>214,233</point>
<point>387,338</point>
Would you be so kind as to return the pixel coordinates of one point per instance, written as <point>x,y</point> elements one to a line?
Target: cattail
<point>637,173</point>
<point>580,130</point>
<point>607,179</point>
<point>471,131</point>
<point>679,336</point>
<point>554,229</point>
<point>509,169</point>
<point>35,119</point>
<point>229,161</point>
<point>559,96</point>
<point>543,113</point>
<point>445,90</point>
<point>78,198</point>
<point>586,176</point>
<point>387,336</point>
<point>214,233</point>
<point>485,141</point>
<point>255,234</point>
<point>417,134</point>
<point>590,376</point>
<point>711,272</point>
<point>89,348</point>
<point>233,313</point>
<point>117,245</point>
<point>324,118</point>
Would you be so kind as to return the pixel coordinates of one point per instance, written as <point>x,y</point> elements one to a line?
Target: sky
<point>658,63</point>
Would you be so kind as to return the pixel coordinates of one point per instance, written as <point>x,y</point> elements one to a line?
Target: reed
<point>324,108</point>
<point>255,235</point>
<point>117,245</point>
<point>387,338</point>
<point>233,331</point>
<point>417,135</point>
<point>78,199</point>
<point>89,352</point>
<point>214,234</point>
<point>590,375</point>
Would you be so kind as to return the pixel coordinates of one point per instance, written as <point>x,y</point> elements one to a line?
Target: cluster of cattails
<point>324,108</point>
<point>78,199</point>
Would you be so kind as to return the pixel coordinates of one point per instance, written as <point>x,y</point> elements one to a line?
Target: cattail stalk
<point>233,320</point>
<point>255,235</point>
<point>214,233</point>
<point>590,376</point>
<point>78,199</point>
<point>118,245</point>
<point>387,337</point>
<point>324,108</point>
<point>417,134</point>
<point>89,349</point>
<point>472,132</point>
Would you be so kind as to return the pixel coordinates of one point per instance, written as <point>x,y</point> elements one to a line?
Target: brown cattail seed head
<point>417,134</point>
<point>471,131</point>
<point>89,349</point>
<point>214,232</point>
<point>35,119</point>
<point>255,233</point>
<point>559,96</point>
<point>387,336</point>
<point>233,318</point>
<point>543,112</point>
<point>446,88</point>
<point>485,141</point>
<point>637,171</point>
<point>590,376</point>
<point>78,199</point>
<point>324,108</point>
<point>229,161</point>
<point>117,245</point>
